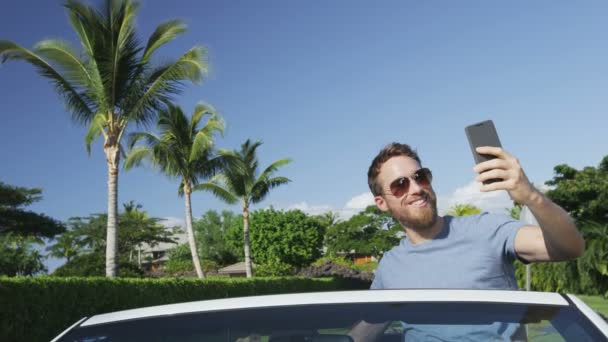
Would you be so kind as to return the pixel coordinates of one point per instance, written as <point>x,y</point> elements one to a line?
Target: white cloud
<point>171,222</point>
<point>360,201</point>
<point>352,206</point>
<point>311,209</point>
<point>494,201</point>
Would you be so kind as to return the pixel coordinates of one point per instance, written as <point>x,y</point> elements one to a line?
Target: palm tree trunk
<point>248,268</point>
<point>113,158</point>
<point>193,250</point>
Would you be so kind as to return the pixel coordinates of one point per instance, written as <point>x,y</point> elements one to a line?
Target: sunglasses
<point>401,185</point>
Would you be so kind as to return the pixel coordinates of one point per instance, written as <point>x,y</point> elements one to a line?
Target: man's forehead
<point>398,166</point>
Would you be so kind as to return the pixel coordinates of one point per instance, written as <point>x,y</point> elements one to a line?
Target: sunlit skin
<point>417,209</point>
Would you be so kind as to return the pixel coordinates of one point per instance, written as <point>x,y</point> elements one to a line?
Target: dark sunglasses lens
<point>400,186</point>
<point>423,177</point>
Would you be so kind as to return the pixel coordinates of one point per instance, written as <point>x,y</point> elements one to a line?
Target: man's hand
<point>507,168</point>
<point>556,238</point>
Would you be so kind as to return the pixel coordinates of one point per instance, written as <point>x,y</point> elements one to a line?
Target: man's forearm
<point>563,239</point>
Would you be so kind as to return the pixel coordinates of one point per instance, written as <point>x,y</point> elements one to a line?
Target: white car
<point>353,316</point>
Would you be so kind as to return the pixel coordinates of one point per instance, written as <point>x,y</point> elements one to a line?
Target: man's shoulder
<point>393,252</point>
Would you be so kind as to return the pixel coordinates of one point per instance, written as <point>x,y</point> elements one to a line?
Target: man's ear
<point>380,203</point>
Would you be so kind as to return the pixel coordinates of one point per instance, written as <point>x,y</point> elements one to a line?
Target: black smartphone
<point>483,134</point>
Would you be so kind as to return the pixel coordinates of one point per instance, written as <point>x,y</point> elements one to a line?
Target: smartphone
<point>483,134</point>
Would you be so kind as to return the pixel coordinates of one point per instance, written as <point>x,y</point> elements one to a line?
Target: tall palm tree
<point>240,180</point>
<point>182,150</point>
<point>110,82</point>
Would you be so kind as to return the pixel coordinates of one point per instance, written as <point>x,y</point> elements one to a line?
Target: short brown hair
<point>391,150</point>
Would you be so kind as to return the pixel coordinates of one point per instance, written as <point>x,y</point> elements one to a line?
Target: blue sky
<point>328,83</point>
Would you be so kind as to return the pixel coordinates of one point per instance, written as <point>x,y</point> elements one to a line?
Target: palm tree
<point>111,82</point>
<point>67,245</point>
<point>184,151</point>
<point>239,180</point>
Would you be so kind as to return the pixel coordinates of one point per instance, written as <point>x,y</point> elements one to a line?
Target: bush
<point>366,267</point>
<point>93,265</point>
<point>180,266</point>
<point>334,260</point>
<point>274,268</point>
<point>37,309</point>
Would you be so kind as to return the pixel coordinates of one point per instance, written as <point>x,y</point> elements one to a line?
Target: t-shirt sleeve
<point>501,231</point>
<point>377,283</point>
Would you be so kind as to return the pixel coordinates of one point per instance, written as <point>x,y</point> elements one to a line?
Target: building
<point>153,257</point>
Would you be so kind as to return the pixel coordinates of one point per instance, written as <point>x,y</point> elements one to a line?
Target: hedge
<point>37,309</point>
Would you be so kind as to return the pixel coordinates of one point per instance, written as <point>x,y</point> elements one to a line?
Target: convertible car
<point>355,316</point>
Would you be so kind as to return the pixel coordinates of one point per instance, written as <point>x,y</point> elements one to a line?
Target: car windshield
<point>356,322</point>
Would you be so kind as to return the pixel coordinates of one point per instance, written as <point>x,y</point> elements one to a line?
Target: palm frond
<point>63,55</point>
<point>200,146</point>
<point>272,168</point>
<point>150,139</point>
<point>136,156</point>
<point>200,110</point>
<point>163,34</point>
<point>85,22</point>
<point>263,187</point>
<point>96,128</point>
<point>203,140</point>
<point>161,83</point>
<point>218,191</point>
<point>119,62</point>
<point>81,16</point>
<point>208,166</point>
<point>75,102</point>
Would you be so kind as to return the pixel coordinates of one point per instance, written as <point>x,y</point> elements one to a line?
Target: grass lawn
<point>598,303</point>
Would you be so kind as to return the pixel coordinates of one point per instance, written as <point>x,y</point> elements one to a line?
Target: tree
<point>582,193</point>
<point>239,180</point>
<point>20,229</point>
<point>183,151</point>
<point>18,257</point>
<point>111,82</point>
<point>371,231</point>
<point>67,246</point>
<point>328,219</point>
<point>463,210</point>
<point>16,220</point>
<point>282,240</point>
<point>210,231</point>
<point>88,233</point>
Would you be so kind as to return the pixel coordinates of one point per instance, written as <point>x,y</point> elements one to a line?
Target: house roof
<point>239,267</point>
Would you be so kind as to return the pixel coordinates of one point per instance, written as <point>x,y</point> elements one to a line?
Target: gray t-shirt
<point>471,252</point>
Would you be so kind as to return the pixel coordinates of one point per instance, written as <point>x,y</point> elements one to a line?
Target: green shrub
<point>366,267</point>
<point>274,268</point>
<point>93,265</point>
<point>335,260</point>
<point>180,266</point>
<point>37,309</point>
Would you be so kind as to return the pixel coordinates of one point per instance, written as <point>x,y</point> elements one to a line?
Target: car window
<point>356,322</point>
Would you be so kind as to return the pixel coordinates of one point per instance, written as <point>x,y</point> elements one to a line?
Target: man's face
<point>417,208</point>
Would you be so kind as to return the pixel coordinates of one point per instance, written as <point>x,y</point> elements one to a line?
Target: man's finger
<point>492,174</point>
<point>493,186</point>
<point>494,151</point>
<point>491,164</point>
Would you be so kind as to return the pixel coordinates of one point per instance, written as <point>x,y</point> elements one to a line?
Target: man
<point>464,252</point>
<point>472,252</point>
